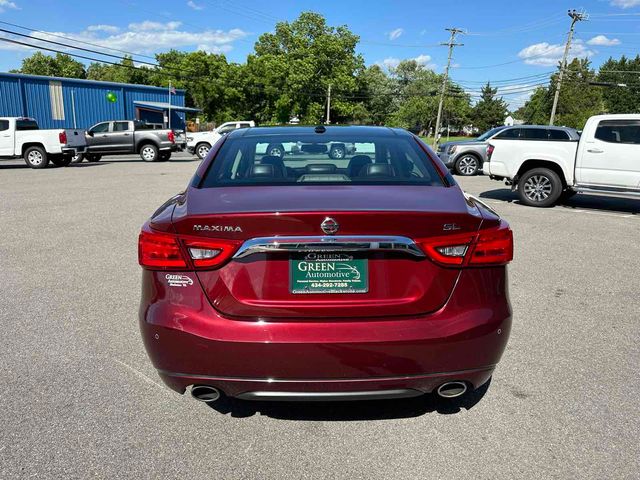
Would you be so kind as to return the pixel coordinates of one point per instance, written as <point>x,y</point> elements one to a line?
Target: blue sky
<point>513,44</point>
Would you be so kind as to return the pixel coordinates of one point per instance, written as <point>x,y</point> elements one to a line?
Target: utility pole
<point>329,105</point>
<point>451,43</point>
<point>575,17</point>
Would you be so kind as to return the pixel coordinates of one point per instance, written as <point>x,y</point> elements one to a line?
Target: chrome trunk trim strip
<point>330,243</point>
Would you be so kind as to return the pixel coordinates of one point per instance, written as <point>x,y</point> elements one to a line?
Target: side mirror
<point>90,133</point>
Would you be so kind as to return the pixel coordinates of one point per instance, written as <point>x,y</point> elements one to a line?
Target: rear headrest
<point>261,171</point>
<point>320,168</point>
<point>279,169</point>
<point>356,163</point>
<point>378,170</point>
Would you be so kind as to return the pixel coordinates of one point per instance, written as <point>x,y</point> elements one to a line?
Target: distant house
<point>510,121</point>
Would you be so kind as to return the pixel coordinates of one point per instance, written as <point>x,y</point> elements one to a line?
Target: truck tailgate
<point>75,138</point>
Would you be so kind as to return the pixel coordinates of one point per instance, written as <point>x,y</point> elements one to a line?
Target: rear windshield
<point>306,159</point>
<point>26,125</point>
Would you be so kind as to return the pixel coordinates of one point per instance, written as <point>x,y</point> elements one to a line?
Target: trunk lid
<point>269,284</point>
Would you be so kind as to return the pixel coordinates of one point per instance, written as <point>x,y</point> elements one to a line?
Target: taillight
<point>62,136</point>
<point>160,251</point>
<point>492,246</point>
<point>165,251</point>
<point>490,149</point>
<point>171,136</point>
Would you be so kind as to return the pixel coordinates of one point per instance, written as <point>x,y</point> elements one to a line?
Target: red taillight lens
<point>165,251</point>
<point>490,149</point>
<point>160,251</point>
<point>62,136</point>
<point>171,136</point>
<point>492,246</point>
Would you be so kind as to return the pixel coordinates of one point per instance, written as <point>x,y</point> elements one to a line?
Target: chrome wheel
<point>337,153</point>
<point>203,151</point>
<point>35,158</point>
<point>468,165</point>
<point>276,152</point>
<point>537,188</point>
<point>148,154</point>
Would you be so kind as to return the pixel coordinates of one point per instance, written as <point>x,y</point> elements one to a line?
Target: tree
<point>620,99</point>
<point>490,111</point>
<point>375,92</point>
<point>59,66</point>
<point>578,98</point>
<point>124,72</point>
<point>292,68</point>
<point>417,91</point>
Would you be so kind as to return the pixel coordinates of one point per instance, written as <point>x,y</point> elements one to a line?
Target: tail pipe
<point>452,389</point>
<point>205,393</point>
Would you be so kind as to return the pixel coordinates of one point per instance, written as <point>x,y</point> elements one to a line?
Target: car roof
<point>548,127</point>
<point>331,130</point>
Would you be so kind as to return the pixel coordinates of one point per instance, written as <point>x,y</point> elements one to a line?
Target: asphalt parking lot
<point>79,397</point>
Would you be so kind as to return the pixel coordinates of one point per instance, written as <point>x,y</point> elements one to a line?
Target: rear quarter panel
<point>509,155</point>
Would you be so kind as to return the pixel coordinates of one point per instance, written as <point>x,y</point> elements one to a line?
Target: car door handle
<point>595,150</point>
<point>105,136</point>
<point>126,134</point>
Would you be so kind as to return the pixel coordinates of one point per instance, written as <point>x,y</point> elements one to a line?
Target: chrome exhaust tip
<point>205,393</point>
<point>452,389</point>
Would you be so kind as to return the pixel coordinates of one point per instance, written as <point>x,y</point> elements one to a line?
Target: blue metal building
<point>72,103</point>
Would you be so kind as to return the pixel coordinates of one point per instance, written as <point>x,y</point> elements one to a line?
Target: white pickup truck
<point>199,143</point>
<point>605,160</point>
<point>21,137</point>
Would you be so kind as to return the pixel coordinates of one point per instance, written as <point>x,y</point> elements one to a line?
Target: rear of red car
<point>305,277</point>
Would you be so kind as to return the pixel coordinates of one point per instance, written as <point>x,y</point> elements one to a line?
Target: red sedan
<point>304,277</point>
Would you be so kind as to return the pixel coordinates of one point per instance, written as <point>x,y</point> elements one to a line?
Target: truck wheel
<point>539,187</point>
<point>93,157</point>
<point>202,150</point>
<point>77,158</point>
<point>36,157</point>
<point>164,156</point>
<point>467,165</point>
<point>275,150</point>
<point>337,153</point>
<point>149,153</point>
<point>62,161</point>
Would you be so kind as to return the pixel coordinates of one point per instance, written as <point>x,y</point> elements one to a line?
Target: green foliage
<point>59,66</point>
<point>490,111</point>
<point>578,98</point>
<point>624,71</point>
<point>125,72</point>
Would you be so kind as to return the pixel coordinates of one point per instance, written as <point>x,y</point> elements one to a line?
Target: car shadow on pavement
<point>351,411</point>
<point>578,202</point>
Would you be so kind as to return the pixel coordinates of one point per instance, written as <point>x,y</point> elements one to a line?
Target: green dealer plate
<point>317,272</point>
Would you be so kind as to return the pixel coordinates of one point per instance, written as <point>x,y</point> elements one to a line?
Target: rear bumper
<point>189,342</point>
<point>73,150</point>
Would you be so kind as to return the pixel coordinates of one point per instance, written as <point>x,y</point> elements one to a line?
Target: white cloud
<point>194,5</point>
<point>603,41</point>
<point>625,3</point>
<point>103,28</point>
<point>6,4</point>
<point>396,33</point>
<point>148,26</point>
<point>145,38</point>
<point>392,62</point>
<point>547,55</point>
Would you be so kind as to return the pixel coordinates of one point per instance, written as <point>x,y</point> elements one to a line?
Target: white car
<point>199,143</point>
<point>21,137</point>
<point>605,160</point>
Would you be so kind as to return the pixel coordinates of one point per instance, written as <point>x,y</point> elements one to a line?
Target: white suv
<point>200,143</point>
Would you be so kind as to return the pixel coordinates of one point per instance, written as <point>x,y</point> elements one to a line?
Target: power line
<point>75,40</point>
